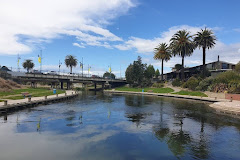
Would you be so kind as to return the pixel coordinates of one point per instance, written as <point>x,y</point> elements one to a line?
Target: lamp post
<point>59,66</point>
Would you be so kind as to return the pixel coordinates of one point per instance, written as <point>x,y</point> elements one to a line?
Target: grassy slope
<point>191,93</point>
<point>35,92</point>
<point>155,90</point>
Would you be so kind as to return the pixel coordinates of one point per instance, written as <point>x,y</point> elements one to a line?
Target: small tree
<point>157,73</point>
<point>178,67</point>
<point>28,64</point>
<point>109,75</point>
<point>149,72</point>
<point>70,61</point>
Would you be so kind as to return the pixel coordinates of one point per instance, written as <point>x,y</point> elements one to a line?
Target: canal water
<point>97,126</point>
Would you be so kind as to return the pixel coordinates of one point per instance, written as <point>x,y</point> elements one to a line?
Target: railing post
<point>56,95</point>
<point>5,103</point>
<point>29,99</point>
<point>45,97</point>
<point>231,99</point>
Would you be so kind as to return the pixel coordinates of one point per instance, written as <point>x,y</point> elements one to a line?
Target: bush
<point>158,85</point>
<point>227,77</point>
<point>176,82</point>
<point>205,84</point>
<point>191,83</point>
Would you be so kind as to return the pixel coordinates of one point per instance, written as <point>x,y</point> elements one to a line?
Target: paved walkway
<point>35,98</point>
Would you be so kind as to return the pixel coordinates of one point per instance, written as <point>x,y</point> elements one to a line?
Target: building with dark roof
<point>214,68</point>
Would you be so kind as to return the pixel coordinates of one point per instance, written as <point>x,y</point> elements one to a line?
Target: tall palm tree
<point>163,53</point>
<point>28,64</point>
<point>182,45</point>
<point>205,39</point>
<point>71,62</point>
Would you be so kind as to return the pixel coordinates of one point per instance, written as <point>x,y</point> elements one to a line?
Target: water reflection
<point>119,127</point>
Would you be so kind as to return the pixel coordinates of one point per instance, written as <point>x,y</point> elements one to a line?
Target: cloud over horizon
<point>28,22</point>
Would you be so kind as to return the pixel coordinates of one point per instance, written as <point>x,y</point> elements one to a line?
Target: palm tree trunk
<point>71,69</point>
<point>162,70</point>
<point>182,70</point>
<point>204,63</point>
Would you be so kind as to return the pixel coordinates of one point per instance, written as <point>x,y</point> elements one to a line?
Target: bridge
<point>68,79</point>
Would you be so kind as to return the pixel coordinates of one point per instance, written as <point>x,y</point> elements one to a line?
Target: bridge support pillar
<point>68,85</point>
<point>103,85</point>
<point>95,86</point>
<point>61,83</point>
<point>110,86</point>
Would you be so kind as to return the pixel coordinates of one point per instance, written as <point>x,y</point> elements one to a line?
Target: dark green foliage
<point>157,73</point>
<point>28,64</point>
<point>205,84</point>
<point>176,82</point>
<point>149,72</point>
<point>191,83</point>
<point>70,61</point>
<point>178,67</point>
<point>135,73</point>
<point>109,75</point>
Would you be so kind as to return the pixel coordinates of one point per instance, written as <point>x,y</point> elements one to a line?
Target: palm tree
<point>70,61</point>
<point>205,39</point>
<point>28,64</point>
<point>182,45</point>
<point>162,52</point>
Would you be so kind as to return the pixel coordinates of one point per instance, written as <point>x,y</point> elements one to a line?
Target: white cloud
<point>78,45</point>
<point>27,21</point>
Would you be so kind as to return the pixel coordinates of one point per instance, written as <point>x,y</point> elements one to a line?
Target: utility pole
<point>81,66</point>
<point>120,72</point>
<point>89,67</point>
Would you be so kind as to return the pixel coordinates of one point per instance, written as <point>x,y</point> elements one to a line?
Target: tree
<point>109,75</point>
<point>149,72</point>
<point>70,61</point>
<point>28,64</point>
<point>183,46</point>
<point>129,74</point>
<point>177,67</point>
<point>163,53</point>
<point>135,72</point>
<point>157,73</point>
<point>205,39</point>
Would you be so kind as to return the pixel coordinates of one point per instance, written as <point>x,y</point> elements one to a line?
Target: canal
<point>116,127</point>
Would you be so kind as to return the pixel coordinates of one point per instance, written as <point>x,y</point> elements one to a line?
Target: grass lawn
<point>35,92</point>
<point>155,90</point>
<point>191,93</point>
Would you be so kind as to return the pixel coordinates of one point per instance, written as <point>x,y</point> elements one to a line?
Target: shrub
<point>176,82</point>
<point>204,84</point>
<point>191,83</point>
<point>227,77</point>
<point>158,85</point>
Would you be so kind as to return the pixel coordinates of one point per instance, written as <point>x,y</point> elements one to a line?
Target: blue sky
<point>112,32</point>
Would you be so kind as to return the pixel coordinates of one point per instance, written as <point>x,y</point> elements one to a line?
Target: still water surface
<point>113,126</point>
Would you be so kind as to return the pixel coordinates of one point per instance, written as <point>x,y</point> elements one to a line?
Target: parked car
<point>95,76</point>
<point>36,72</point>
<point>52,73</point>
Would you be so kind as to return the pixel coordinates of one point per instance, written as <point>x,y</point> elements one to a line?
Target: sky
<point>112,32</point>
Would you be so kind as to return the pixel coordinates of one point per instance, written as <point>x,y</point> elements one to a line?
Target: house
<point>214,68</point>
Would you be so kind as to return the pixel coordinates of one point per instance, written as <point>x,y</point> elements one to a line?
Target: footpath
<point>12,105</point>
